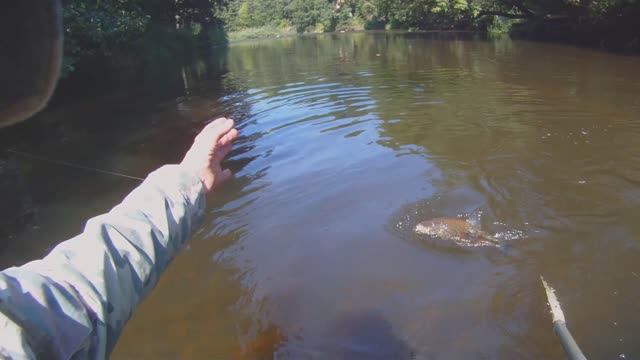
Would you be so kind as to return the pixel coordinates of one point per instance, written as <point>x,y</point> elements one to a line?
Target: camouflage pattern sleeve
<point>75,302</point>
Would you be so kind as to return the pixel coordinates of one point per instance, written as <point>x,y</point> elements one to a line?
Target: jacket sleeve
<point>75,302</point>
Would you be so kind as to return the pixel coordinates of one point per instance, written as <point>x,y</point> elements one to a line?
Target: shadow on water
<point>352,335</point>
<point>132,130</point>
<point>364,335</point>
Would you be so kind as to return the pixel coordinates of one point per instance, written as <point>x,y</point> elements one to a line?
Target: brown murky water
<point>348,142</point>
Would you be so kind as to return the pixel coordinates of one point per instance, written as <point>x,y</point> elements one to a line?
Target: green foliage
<point>340,20</point>
<point>374,24</point>
<point>424,14</point>
<point>308,14</point>
<point>345,20</point>
<point>348,15</point>
<point>216,36</point>
<point>117,33</point>
<point>302,15</point>
<point>603,23</point>
<point>496,25</point>
<point>243,14</point>
<point>100,30</point>
<point>263,32</point>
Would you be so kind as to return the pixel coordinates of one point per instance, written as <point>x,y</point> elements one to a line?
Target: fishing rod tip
<point>554,304</point>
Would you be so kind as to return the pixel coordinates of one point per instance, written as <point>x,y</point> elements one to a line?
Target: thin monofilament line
<point>66,163</point>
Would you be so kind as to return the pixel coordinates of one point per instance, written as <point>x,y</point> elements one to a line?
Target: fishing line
<point>68,164</point>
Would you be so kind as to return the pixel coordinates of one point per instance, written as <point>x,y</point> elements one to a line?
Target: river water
<point>348,141</point>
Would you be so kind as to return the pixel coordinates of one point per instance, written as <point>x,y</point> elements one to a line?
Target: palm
<point>210,147</point>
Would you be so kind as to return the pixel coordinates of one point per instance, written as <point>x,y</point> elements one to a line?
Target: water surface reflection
<point>343,137</point>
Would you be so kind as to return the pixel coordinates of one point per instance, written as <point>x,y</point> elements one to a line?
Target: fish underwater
<point>456,232</point>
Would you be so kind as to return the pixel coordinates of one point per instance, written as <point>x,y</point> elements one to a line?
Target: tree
<point>98,30</point>
<point>305,14</point>
<point>116,32</point>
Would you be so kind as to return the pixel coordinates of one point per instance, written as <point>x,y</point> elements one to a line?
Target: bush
<point>307,14</point>
<point>217,36</point>
<point>243,14</point>
<point>262,32</point>
<point>106,30</point>
<point>496,25</point>
<point>374,24</point>
<point>126,34</point>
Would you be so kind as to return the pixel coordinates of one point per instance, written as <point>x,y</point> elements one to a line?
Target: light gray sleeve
<point>75,302</point>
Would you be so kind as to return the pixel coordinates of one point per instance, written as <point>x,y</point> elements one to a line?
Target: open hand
<point>209,148</point>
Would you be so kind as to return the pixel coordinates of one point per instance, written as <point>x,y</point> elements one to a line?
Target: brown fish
<point>460,232</point>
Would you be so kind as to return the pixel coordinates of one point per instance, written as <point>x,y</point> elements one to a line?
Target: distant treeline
<point>123,33</point>
<point>610,24</point>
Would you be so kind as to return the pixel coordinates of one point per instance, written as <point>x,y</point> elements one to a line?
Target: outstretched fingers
<point>215,130</point>
<point>228,138</point>
<point>210,147</point>
<point>222,151</point>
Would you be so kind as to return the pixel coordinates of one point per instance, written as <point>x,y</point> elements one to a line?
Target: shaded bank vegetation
<point>131,33</point>
<point>611,24</point>
<point>108,40</point>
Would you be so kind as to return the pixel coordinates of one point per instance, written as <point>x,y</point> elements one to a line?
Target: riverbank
<point>619,36</point>
<point>558,32</point>
<point>267,34</point>
<point>275,32</point>
<point>259,33</point>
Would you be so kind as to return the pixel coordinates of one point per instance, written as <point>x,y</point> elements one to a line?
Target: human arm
<point>76,301</point>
